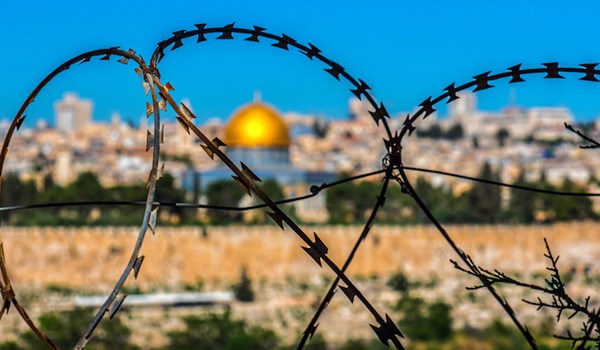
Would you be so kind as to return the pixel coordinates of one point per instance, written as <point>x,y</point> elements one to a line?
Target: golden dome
<point>257,125</point>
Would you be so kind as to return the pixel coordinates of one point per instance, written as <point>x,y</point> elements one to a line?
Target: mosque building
<point>257,135</point>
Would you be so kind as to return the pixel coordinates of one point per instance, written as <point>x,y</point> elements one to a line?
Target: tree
<point>525,205</point>
<point>521,208</point>
<point>48,182</point>
<point>224,193</point>
<point>350,202</point>
<point>455,132</point>
<point>503,337</point>
<point>484,200</point>
<point>320,128</point>
<point>475,142</point>
<point>354,344</point>
<point>441,201</point>
<point>501,136</point>
<point>16,192</point>
<point>399,207</point>
<point>340,203</point>
<point>317,342</point>
<point>544,202</point>
<point>124,215</point>
<point>243,289</point>
<point>166,191</point>
<point>422,321</point>
<point>439,320</point>
<point>221,332</point>
<point>572,208</point>
<point>272,188</point>
<point>398,282</point>
<point>435,132</point>
<point>86,186</point>
<point>9,345</point>
<point>554,291</point>
<point>64,329</point>
<point>275,192</point>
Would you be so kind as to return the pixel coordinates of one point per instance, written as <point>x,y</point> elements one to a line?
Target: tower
<point>72,113</point>
<point>465,105</point>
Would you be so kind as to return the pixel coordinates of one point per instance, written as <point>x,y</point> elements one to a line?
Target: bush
<point>243,289</point>
<point>221,332</point>
<point>65,329</point>
<point>399,282</point>
<point>422,321</point>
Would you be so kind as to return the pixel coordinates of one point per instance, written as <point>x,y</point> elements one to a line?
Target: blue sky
<point>405,50</point>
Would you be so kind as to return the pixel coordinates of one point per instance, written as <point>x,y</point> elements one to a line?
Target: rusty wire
<point>553,70</point>
<point>112,302</point>
<point>393,169</point>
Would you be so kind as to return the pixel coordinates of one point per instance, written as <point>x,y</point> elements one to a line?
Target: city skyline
<point>443,115</point>
<point>405,52</point>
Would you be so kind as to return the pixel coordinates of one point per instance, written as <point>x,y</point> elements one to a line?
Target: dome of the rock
<point>257,125</point>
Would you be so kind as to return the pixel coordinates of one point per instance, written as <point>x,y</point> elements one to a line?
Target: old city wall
<point>84,258</point>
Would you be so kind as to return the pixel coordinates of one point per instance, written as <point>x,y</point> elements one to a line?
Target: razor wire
<point>393,170</point>
<point>113,301</point>
<point>552,70</point>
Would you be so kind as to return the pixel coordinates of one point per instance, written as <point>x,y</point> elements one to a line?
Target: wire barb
<point>385,329</point>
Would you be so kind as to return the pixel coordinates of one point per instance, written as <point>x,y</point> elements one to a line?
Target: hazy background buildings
<point>513,140</point>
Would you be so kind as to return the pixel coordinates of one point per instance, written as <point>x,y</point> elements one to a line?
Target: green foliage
<point>527,207</point>
<point>354,344</point>
<point>482,204</point>
<point>441,202</point>
<point>272,189</point>
<point>131,289</point>
<point>16,192</point>
<point>317,342</point>
<point>275,192</point>
<point>439,321</point>
<point>166,191</point>
<point>9,345</point>
<point>351,201</point>
<point>65,329</point>
<point>503,337</point>
<point>483,200</point>
<point>58,289</point>
<point>87,187</point>
<point>572,208</point>
<point>194,287</point>
<point>398,282</point>
<point>124,215</point>
<point>398,207</point>
<point>455,132</point>
<point>243,289</point>
<point>221,332</point>
<point>434,132</point>
<point>422,321</point>
<point>348,203</point>
<point>182,158</point>
<point>224,193</point>
<point>521,208</point>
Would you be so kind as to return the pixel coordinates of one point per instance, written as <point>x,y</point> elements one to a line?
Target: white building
<point>72,113</point>
<point>540,122</point>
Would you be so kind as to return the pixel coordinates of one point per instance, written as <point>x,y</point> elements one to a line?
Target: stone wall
<point>93,258</point>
